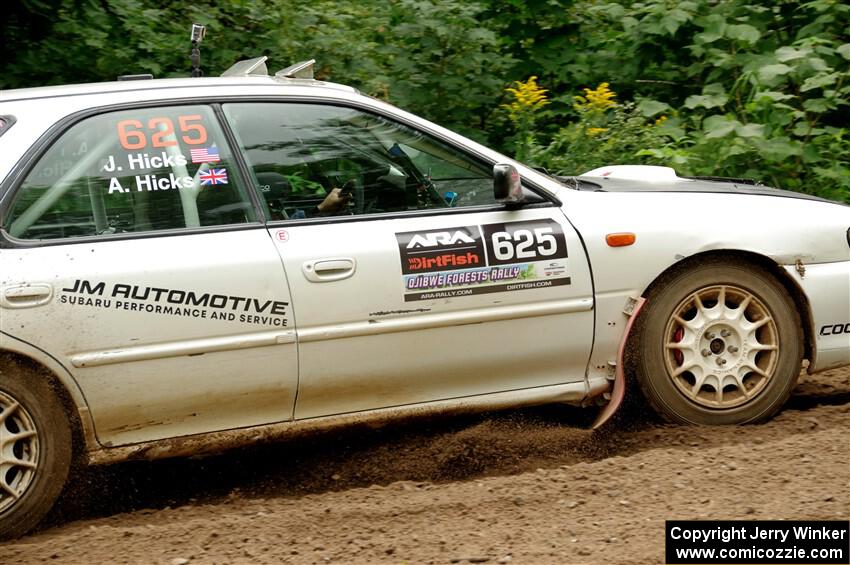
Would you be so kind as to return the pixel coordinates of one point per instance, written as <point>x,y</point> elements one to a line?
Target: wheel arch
<point>800,299</point>
<point>61,383</point>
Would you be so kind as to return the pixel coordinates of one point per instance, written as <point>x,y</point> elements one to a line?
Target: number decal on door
<point>516,242</point>
<point>460,261</point>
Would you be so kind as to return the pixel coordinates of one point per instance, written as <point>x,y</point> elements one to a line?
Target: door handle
<point>26,295</point>
<point>327,270</point>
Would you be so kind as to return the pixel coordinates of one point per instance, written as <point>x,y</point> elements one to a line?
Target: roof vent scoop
<point>304,69</point>
<point>249,67</point>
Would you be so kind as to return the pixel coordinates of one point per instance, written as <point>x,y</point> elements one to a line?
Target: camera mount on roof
<point>198,32</point>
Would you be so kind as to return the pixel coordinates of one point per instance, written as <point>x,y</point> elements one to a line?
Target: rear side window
<point>132,171</point>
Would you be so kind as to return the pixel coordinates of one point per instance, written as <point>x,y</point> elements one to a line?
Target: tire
<point>718,342</point>
<point>35,448</point>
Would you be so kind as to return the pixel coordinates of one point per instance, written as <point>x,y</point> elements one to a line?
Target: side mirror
<point>507,185</point>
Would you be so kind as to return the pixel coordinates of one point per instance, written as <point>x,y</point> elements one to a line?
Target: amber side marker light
<point>620,239</point>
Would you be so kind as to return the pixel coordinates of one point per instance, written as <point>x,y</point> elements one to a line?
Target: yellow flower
<point>591,132</point>
<point>660,120</point>
<point>597,100</point>
<point>528,98</point>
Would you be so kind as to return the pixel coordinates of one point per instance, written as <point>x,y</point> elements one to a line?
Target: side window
<point>132,171</point>
<point>315,160</point>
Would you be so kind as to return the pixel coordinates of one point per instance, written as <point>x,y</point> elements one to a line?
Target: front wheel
<point>719,343</point>
<point>35,449</point>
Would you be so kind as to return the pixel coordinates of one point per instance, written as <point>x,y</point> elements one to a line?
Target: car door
<point>133,254</point>
<point>419,287</point>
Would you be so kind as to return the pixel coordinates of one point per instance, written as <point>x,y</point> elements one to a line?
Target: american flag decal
<point>205,155</point>
<point>213,176</point>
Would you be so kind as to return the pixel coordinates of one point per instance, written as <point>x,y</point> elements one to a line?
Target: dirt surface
<point>532,486</point>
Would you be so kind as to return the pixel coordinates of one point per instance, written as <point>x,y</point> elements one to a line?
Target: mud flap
<point>618,393</point>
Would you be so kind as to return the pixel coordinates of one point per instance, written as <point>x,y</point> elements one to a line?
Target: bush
<point>606,133</point>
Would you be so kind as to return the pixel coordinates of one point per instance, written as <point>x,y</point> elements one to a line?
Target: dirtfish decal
<point>468,260</point>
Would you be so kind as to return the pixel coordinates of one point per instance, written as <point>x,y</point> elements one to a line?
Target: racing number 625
<point>524,244</point>
<point>163,132</point>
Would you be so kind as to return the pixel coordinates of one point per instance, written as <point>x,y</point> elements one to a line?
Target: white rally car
<point>192,264</point>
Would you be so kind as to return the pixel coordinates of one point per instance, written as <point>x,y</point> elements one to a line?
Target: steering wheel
<point>427,195</point>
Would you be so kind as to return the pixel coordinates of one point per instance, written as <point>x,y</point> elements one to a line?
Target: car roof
<point>156,84</point>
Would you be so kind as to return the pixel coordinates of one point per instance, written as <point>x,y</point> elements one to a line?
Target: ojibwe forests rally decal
<point>175,302</point>
<point>467,260</point>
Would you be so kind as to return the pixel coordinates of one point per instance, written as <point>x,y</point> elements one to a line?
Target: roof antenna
<point>198,32</point>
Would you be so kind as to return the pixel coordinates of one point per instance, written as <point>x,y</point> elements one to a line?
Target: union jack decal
<point>214,176</point>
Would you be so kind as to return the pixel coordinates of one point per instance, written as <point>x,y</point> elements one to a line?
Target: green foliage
<point>771,109</point>
<point>753,89</point>
<point>527,98</point>
<point>606,133</point>
<point>756,88</point>
<point>442,62</point>
<point>431,56</point>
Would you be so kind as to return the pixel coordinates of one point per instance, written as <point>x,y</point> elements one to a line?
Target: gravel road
<point>531,486</point>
